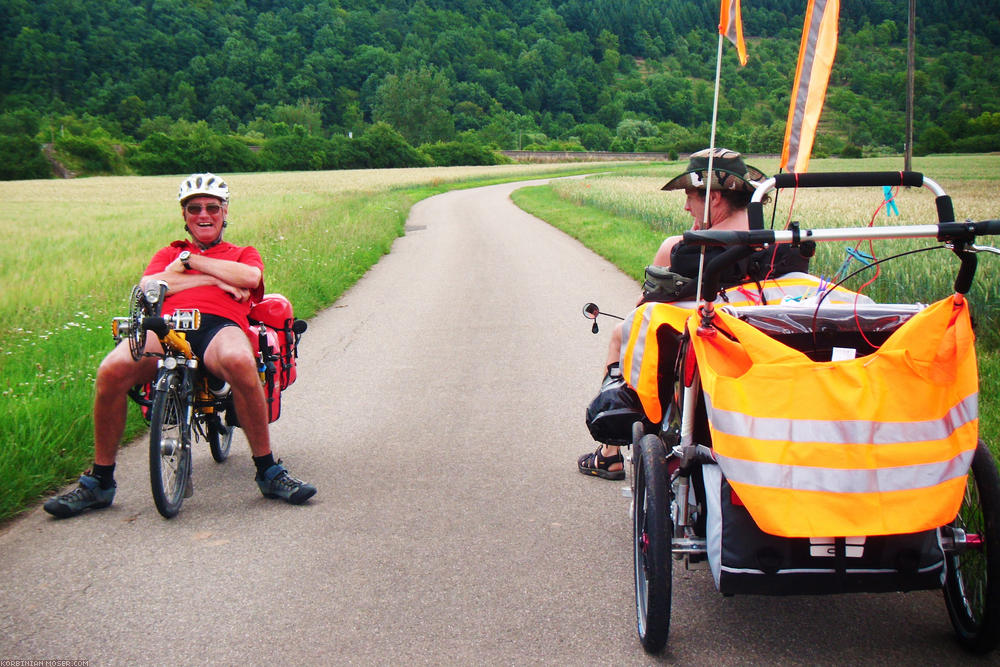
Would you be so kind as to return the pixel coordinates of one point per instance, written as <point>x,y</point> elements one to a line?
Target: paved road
<point>439,409</point>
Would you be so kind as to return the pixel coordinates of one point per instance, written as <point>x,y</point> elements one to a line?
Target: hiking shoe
<point>89,495</point>
<point>277,483</point>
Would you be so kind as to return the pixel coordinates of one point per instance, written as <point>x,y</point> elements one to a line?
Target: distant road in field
<point>439,409</point>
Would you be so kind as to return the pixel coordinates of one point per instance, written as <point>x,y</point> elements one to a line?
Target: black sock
<point>105,475</point>
<point>263,463</point>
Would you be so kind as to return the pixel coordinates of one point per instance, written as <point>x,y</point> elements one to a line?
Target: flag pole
<point>715,116</point>
<point>711,154</point>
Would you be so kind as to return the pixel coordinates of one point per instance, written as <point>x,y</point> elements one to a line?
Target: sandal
<point>596,464</point>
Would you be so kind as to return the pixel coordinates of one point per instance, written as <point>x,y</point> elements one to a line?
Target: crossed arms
<point>234,278</point>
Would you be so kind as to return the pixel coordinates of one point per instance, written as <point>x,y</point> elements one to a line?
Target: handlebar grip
<point>720,237</point>
<point>155,324</point>
<point>967,231</point>
<point>988,228</point>
<point>966,272</point>
<point>848,179</point>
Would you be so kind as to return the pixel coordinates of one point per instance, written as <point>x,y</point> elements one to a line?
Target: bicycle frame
<point>177,400</point>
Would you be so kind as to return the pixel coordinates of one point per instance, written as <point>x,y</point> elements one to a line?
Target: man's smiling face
<point>204,217</point>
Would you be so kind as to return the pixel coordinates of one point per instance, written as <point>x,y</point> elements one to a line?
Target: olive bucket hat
<point>728,170</point>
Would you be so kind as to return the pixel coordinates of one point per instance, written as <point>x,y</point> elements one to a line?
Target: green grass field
<point>73,249</point>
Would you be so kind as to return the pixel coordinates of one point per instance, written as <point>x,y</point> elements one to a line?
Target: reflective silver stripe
<point>775,291</point>
<point>627,324</point>
<point>640,342</point>
<point>805,77</point>
<point>802,570</point>
<point>713,525</point>
<point>834,480</point>
<point>845,431</point>
<point>732,22</point>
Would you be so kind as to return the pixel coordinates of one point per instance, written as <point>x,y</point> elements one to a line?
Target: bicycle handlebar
<point>156,324</point>
<point>960,234</point>
<point>943,231</point>
<point>755,209</point>
<point>849,179</point>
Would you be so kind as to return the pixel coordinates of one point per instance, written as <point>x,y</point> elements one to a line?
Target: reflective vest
<point>876,445</point>
<point>640,353</point>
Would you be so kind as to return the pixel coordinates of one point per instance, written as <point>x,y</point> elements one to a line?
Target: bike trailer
<point>812,447</point>
<point>833,475</point>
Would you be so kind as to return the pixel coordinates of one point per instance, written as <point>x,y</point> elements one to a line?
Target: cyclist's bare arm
<point>662,257</point>
<point>233,273</point>
<point>178,282</point>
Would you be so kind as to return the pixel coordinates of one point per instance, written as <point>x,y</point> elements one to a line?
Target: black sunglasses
<point>195,209</point>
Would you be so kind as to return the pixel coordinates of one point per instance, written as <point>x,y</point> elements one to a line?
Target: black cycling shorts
<point>210,325</point>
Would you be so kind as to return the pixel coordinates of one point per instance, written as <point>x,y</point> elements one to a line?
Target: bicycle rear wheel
<point>220,437</point>
<point>972,577</point>
<point>169,446</point>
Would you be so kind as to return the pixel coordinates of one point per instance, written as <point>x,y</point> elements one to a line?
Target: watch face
<point>185,255</point>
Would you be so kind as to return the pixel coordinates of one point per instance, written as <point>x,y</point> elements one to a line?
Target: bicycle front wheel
<point>169,446</point>
<point>652,535</point>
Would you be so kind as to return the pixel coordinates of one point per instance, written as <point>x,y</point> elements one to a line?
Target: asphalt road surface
<point>439,410</point>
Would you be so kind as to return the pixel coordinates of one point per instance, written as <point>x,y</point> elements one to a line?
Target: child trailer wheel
<point>972,565</point>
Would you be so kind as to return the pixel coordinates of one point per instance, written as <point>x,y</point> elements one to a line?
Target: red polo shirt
<point>209,298</point>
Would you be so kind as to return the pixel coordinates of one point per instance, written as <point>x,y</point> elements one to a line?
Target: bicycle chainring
<point>138,309</point>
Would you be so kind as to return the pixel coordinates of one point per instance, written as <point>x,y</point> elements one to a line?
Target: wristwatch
<point>184,257</point>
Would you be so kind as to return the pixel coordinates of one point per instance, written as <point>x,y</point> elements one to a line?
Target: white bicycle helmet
<point>203,184</point>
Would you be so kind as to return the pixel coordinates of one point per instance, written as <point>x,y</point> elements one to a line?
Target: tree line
<point>166,86</point>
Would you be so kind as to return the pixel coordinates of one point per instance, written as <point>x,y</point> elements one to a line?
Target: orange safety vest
<point>640,355</point>
<point>876,445</point>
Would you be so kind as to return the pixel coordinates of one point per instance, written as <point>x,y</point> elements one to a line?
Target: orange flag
<point>816,54</point>
<point>731,27</point>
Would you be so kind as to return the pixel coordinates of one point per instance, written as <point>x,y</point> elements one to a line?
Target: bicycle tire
<point>169,446</point>
<point>652,535</point>
<point>972,574</point>
<point>220,438</point>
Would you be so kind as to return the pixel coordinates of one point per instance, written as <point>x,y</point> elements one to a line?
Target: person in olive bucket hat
<point>611,414</point>
<point>728,170</point>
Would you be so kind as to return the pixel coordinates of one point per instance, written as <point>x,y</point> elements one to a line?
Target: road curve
<point>439,409</point>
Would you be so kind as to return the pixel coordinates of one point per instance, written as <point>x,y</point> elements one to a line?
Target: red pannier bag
<point>277,331</point>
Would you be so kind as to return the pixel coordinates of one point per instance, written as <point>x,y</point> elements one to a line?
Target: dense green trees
<point>418,104</point>
<point>20,157</point>
<point>137,82</point>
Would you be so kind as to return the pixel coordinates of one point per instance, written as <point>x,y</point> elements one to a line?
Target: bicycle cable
<point>829,290</point>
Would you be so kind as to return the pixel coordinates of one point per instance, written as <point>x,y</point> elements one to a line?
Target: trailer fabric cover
<point>876,445</point>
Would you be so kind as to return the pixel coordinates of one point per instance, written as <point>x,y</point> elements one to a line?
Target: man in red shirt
<point>222,281</point>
